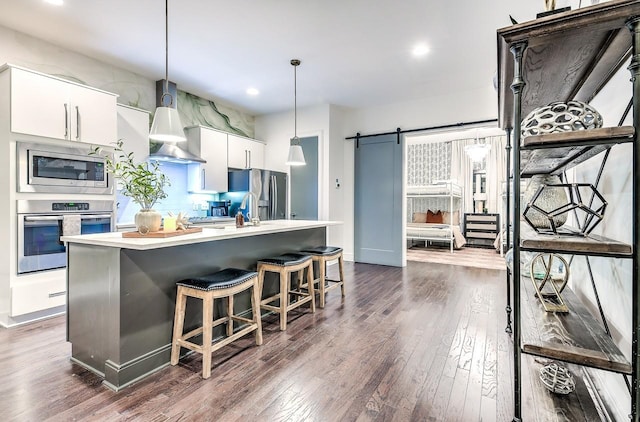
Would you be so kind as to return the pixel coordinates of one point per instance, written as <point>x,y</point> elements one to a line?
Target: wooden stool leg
<point>207,334</point>
<point>322,268</point>
<point>178,324</point>
<point>285,281</point>
<point>341,266</point>
<point>312,290</point>
<point>229,315</point>
<point>255,305</point>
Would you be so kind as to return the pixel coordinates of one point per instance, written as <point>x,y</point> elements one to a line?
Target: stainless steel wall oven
<point>61,169</point>
<point>42,222</point>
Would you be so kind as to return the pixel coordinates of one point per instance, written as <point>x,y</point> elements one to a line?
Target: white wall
<point>612,276</point>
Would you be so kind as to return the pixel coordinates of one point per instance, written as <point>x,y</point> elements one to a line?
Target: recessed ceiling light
<point>55,2</point>
<point>252,91</point>
<point>420,50</point>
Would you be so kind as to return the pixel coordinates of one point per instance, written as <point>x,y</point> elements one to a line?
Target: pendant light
<point>296,156</point>
<point>166,126</point>
<point>478,150</point>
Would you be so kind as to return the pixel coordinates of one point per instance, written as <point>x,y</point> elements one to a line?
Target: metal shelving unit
<point>570,55</point>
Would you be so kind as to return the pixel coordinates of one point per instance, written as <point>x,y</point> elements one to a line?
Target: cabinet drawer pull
<point>56,294</point>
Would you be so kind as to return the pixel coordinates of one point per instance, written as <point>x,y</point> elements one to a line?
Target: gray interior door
<point>378,201</point>
<point>304,182</point>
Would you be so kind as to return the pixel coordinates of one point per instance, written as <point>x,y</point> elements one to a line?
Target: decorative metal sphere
<point>561,117</point>
<point>557,379</point>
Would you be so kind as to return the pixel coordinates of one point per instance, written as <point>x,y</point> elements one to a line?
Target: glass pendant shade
<point>477,152</point>
<point>166,126</point>
<point>296,156</point>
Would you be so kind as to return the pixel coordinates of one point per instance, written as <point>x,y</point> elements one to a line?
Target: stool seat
<point>286,260</point>
<point>322,250</point>
<point>229,277</point>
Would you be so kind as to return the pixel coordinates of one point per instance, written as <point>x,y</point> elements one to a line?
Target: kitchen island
<point>121,291</point>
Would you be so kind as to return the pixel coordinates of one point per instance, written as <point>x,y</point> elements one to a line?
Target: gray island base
<point>121,292</point>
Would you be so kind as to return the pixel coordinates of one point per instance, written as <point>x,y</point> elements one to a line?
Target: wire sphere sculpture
<point>557,379</point>
<point>561,117</point>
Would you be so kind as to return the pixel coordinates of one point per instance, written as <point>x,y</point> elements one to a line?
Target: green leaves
<point>143,182</point>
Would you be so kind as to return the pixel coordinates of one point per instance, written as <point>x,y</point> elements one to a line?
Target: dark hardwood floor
<point>423,343</point>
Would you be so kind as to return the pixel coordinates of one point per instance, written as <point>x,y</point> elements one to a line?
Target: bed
<point>434,213</point>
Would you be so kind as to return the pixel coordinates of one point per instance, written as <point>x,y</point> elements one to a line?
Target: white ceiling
<point>354,53</point>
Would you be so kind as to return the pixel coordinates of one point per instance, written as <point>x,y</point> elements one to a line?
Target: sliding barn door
<point>378,202</point>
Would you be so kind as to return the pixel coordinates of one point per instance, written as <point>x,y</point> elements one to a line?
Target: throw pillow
<point>419,217</point>
<point>434,217</point>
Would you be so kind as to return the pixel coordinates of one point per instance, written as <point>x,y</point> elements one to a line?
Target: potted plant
<point>143,182</point>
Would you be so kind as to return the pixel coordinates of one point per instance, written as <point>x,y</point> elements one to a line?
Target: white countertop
<point>115,239</point>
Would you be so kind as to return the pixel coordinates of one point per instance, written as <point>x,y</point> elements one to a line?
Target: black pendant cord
<point>508,329</point>
<point>295,63</point>
<point>166,44</point>
<point>166,57</point>
<point>295,101</point>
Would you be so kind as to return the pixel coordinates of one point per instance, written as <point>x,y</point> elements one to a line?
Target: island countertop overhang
<point>115,239</point>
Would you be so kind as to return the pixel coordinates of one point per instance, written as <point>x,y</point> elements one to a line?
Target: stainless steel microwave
<point>61,169</point>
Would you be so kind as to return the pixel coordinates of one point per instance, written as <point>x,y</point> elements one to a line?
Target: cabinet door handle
<point>249,151</point>
<point>203,183</point>
<point>77,123</point>
<point>66,120</point>
<point>56,294</point>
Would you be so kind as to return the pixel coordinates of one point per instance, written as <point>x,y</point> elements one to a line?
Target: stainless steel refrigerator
<point>270,187</point>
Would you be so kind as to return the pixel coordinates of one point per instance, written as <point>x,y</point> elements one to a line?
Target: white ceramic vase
<point>148,220</point>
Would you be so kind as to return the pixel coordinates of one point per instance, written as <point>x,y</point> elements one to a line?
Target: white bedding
<point>432,231</point>
<point>438,189</point>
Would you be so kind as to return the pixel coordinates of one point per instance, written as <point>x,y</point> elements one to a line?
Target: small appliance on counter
<point>218,208</point>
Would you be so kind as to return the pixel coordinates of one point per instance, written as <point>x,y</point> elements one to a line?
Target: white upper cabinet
<point>133,129</point>
<point>245,153</point>
<point>50,107</point>
<point>94,116</point>
<point>210,145</point>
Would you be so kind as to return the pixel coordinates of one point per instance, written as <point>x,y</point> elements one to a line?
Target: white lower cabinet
<point>27,297</point>
<point>210,145</point>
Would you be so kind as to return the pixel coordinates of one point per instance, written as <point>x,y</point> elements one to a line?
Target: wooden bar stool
<point>223,284</point>
<point>322,255</point>
<point>285,265</point>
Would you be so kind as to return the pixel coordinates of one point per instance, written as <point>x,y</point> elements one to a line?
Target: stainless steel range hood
<point>173,154</point>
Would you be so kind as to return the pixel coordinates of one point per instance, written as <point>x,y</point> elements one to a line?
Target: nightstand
<point>481,230</point>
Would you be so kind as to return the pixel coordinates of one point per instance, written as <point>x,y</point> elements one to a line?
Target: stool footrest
<point>219,343</point>
<point>241,319</point>
<point>298,293</point>
<point>294,305</point>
